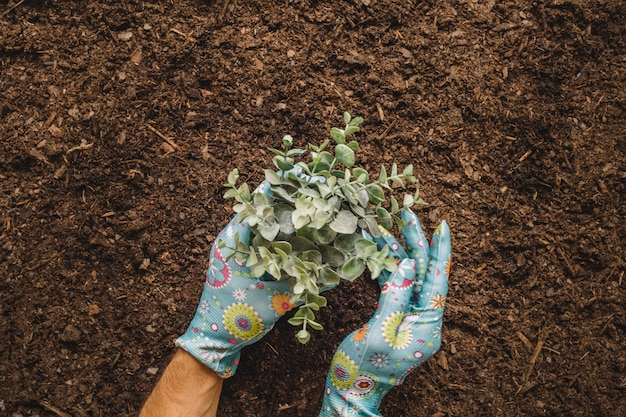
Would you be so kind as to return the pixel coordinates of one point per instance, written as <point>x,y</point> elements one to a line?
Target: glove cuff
<point>342,405</point>
<point>222,360</point>
<point>357,396</point>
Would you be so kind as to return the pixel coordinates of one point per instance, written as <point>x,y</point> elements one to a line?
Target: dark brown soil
<point>512,112</point>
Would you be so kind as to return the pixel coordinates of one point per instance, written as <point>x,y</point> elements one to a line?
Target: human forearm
<point>187,388</point>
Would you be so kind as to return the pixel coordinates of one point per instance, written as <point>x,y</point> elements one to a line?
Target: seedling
<point>308,227</point>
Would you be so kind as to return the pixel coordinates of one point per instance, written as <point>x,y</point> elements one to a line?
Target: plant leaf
<point>332,256</point>
<point>232,193</point>
<point>329,277</point>
<point>384,218</point>
<point>365,248</point>
<point>345,243</point>
<point>315,325</point>
<point>351,130</point>
<point>345,155</point>
<point>395,208</point>
<point>361,175</point>
<point>303,336</point>
<point>375,193</point>
<point>269,232</point>
<point>352,269</point>
<point>345,223</point>
<point>233,176</point>
<point>282,163</point>
<point>408,201</point>
<point>338,135</point>
<point>272,177</point>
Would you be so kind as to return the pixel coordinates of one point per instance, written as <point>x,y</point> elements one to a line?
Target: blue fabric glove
<point>235,309</point>
<point>404,332</point>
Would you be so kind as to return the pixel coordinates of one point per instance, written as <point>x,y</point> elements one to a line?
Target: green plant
<point>308,227</point>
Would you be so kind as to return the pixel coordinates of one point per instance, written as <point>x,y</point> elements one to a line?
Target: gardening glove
<point>404,332</point>
<point>235,309</point>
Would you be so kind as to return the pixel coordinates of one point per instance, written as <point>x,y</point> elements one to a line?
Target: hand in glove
<point>236,309</point>
<point>404,332</point>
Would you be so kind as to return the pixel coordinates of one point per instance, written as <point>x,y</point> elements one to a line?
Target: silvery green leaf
<point>303,336</point>
<point>361,175</point>
<point>382,177</point>
<point>233,176</point>
<point>408,170</point>
<point>283,218</point>
<point>320,219</point>
<point>331,255</point>
<point>346,118</point>
<point>282,194</point>
<point>324,235</point>
<point>252,259</point>
<point>311,306</point>
<point>232,193</point>
<point>299,219</point>
<point>285,247</point>
<point>244,191</point>
<point>323,189</point>
<point>329,277</point>
<point>284,164</point>
<point>298,288</point>
<point>313,256</point>
<point>301,244</point>
<point>272,177</point>
<point>408,201</point>
<point>258,270</point>
<point>375,268</point>
<point>372,226</point>
<point>375,193</point>
<point>345,223</point>
<point>317,299</point>
<point>314,325</point>
<point>356,121</point>
<point>365,248</point>
<point>352,269</point>
<point>395,208</point>
<point>362,197</point>
<point>239,208</point>
<point>287,141</point>
<point>345,243</point>
<point>394,169</point>
<point>338,135</point>
<point>358,210</point>
<point>295,152</point>
<point>260,200</point>
<point>276,151</point>
<point>390,264</point>
<point>398,181</point>
<point>309,192</point>
<point>296,321</point>
<point>345,155</point>
<point>351,130</point>
<point>354,145</point>
<point>384,218</point>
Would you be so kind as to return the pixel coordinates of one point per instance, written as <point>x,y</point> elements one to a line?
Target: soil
<point>119,122</point>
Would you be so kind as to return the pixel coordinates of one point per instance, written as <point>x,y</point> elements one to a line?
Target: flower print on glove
<point>404,332</point>
<point>235,309</point>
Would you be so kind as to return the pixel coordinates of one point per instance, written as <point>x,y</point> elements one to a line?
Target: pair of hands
<point>237,310</point>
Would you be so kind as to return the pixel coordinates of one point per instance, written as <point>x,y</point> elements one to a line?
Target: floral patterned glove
<point>235,309</point>
<point>404,332</point>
